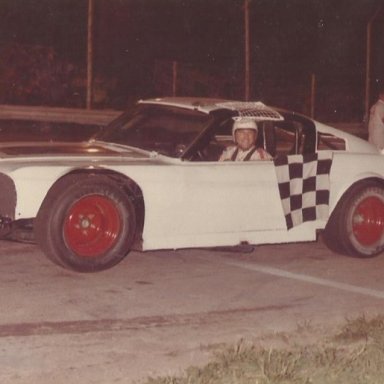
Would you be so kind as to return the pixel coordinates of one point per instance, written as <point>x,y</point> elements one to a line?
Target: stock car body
<point>151,180</point>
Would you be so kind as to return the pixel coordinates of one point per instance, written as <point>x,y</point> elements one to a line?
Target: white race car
<point>152,180</point>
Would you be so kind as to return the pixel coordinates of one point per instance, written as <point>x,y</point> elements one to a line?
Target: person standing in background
<point>376,121</point>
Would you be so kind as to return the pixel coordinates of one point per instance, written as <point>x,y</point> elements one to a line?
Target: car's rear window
<point>326,141</point>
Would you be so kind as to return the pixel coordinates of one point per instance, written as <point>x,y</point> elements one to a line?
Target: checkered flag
<point>304,186</point>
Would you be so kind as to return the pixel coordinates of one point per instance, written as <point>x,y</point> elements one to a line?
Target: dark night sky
<point>303,34</point>
<point>321,36</point>
<point>208,31</point>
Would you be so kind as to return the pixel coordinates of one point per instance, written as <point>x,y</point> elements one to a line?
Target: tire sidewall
<point>55,212</point>
<point>358,248</point>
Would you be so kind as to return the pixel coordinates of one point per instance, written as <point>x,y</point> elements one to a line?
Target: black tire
<point>86,224</point>
<point>356,227</point>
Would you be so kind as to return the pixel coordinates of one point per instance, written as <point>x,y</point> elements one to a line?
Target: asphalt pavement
<point>156,313</point>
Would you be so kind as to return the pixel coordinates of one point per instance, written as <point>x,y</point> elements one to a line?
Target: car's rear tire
<point>356,227</point>
<point>86,224</point>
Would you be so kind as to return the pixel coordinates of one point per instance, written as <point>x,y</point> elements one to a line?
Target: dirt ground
<point>157,313</point>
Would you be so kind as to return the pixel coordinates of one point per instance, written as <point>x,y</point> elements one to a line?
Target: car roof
<point>202,104</point>
<point>255,110</point>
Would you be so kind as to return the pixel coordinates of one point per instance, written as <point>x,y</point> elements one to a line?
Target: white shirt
<point>376,124</point>
<point>259,154</point>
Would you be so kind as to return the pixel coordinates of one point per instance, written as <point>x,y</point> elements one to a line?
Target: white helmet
<point>243,123</point>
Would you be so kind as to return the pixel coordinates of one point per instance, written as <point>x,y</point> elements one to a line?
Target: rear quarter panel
<point>349,168</point>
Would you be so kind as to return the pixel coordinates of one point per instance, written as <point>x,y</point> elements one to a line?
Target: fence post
<point>174,78</point>
<point>313,95</point>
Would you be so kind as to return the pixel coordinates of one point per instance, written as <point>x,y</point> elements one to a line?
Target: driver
<point>244,134</point>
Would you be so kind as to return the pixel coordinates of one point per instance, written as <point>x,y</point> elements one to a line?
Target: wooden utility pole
<point>247,89</point>
<point>90,55</point>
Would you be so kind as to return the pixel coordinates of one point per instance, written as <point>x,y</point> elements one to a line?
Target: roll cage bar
<point>305,139</point>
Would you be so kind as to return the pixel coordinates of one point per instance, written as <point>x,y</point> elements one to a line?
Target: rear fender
<point>338,193</point>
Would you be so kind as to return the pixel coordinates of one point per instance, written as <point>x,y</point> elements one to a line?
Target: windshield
<point>166,130</point>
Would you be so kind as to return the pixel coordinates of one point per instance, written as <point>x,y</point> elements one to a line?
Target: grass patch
<point>354,355</point>
<point>362,329</point>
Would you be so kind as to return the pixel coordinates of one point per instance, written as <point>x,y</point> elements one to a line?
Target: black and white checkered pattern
<point>304,186</point>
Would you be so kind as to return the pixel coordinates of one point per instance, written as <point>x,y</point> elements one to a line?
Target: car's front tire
<point>86,224</point>
<point>356,227</point>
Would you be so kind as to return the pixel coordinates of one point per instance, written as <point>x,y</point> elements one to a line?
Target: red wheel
<point>356,226</point>
<point>368,221</point>
<point>86,223</point>
<point>92,226</point>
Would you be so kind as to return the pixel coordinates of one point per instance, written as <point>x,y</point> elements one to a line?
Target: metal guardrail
<point>58,114</point>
